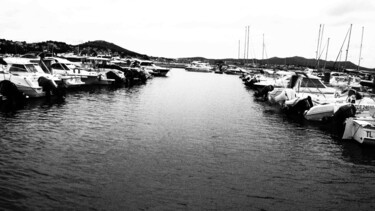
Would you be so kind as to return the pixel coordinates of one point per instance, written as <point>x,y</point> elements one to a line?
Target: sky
<point>211,29</point>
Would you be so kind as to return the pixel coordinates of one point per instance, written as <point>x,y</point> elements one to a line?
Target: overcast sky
<point>187,28</point>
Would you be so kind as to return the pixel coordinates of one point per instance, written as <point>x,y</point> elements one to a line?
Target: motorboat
<point>28,78</point>
<point>197,66</point>
<point>277,79</point>
<point>102,65</point>
<point>344,80</point>
<point>76,73</point>
<point>153,69</point>
<point>361,129</point>
<point>234,70</point>
<point>133,71</point>
<point>306,85</point>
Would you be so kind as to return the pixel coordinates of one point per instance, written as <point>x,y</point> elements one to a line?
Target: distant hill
<point>92,47</point>
<point>103,47</point>
<point>17,47</point>
<point>294,61</point>
<point>107,47</point>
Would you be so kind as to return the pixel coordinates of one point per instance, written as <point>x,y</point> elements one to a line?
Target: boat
<point>277,79</point>
<point>343,80</point>
<point>132,70</point>
<point>28,78</point>
<point>361,129</point>
<point>197,66</point>
<point>305,85</point>
<point>79,74</point>
<point>234,70</point>
<point>153,69</point>
<point>102,65</point>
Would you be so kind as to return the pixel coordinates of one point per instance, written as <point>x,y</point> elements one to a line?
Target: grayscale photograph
<point>187,105</point>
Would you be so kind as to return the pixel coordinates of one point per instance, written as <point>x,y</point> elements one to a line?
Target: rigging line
<point>340,52</point>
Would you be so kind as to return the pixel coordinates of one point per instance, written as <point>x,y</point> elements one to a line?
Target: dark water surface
<point>191,141</point>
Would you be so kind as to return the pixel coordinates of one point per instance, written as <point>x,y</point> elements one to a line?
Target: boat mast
<point>325,61</point>
<point>317,47</point>
<point>360,50</point>
<point>263,49</point>
<point>248,32</point>
<point>347,48</point>
<point>340,52</point>
<point>239,48</point>
<point>320,45</point>
<point>244,50</point>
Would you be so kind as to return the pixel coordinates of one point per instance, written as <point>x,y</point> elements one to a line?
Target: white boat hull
<point>361,131</point>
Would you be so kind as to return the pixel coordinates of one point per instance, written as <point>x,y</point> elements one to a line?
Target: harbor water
<point>189,141</point>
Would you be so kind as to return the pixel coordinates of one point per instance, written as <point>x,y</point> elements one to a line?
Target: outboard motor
<point>293,81</point>
<point>340,116</point>
<point>264,92</point>
<point>251,82</point>
<point>112,75</point>
<point>48,85</point>
<point>300,107</point>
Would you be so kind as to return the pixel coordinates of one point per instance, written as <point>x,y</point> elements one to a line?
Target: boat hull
<point>361,131</point>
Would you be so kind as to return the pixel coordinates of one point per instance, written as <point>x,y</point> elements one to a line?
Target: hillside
<point>104,47</point>
<point>289,61</point>
<point>89,48</point>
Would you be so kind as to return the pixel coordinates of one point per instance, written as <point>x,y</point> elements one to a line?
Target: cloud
<point>348,6</point>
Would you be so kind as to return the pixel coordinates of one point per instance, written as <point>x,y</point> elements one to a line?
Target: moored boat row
<point>35,77</point>
<point>304,95</point>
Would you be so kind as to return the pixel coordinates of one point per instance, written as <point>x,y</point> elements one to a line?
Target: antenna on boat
<point>360,50</point>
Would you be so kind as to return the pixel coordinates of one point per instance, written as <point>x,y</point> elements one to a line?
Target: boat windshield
<point>312,82</point>
<point>31,68</point>
<point>59,66</point>
<point>38,68</point>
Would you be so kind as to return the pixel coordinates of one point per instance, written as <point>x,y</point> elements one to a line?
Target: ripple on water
<point>188,141</point>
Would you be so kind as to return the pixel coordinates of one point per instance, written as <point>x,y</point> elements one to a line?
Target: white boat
<point>133,70</point>
<point>277,79</point>
<point>234,70</point>
<point>76,74</point>
<point>343,80</point>
<point>28,78</point>
<point>305,85</point>
<point>361,129</point>
<point>197,66</point>
<point>323,111</point>
<point>153,69</point>
<point>102,65</point>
